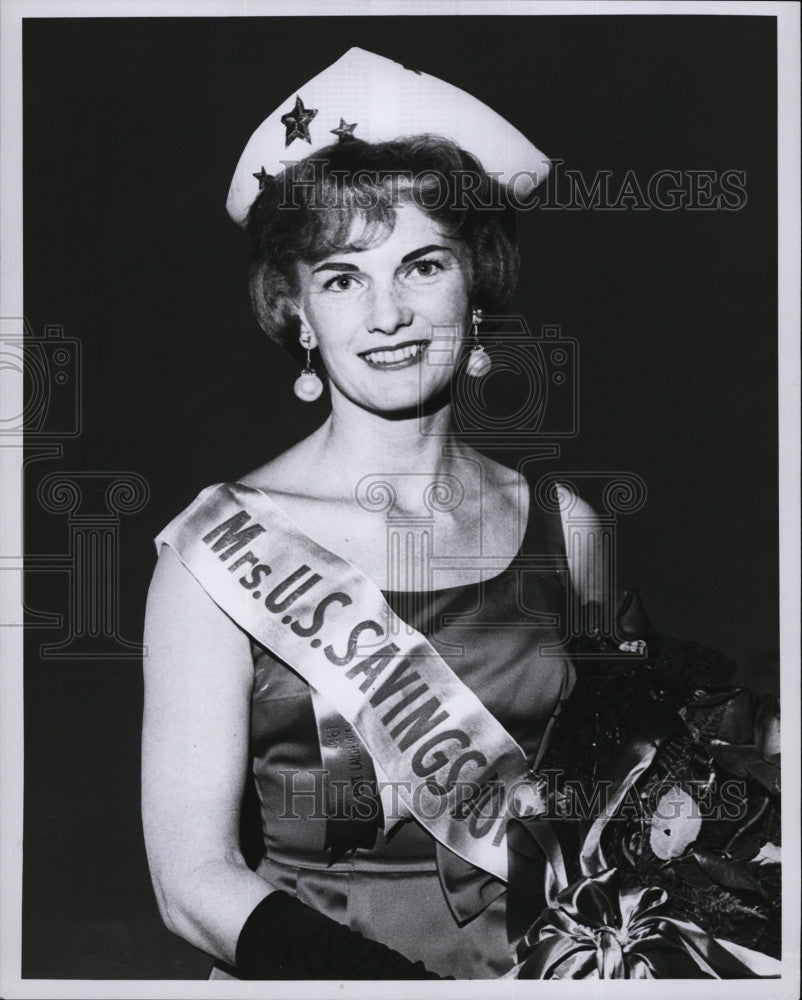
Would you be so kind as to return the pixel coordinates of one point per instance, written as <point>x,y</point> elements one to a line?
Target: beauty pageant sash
<point>447,758</point>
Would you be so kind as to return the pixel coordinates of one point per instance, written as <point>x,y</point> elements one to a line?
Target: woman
<point>390,680</point>
<point>357,254</point>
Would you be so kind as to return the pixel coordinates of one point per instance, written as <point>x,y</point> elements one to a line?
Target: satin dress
<point>502,637</point>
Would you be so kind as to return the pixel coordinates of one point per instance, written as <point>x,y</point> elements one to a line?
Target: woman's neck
<point>358,443</point>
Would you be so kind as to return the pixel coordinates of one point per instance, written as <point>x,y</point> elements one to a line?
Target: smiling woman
<point>380,252</point>
<point>381,314</point>
<point>308,215</point>
<point>374,622</point>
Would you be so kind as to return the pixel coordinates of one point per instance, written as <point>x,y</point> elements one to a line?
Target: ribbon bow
<point>595,929</point>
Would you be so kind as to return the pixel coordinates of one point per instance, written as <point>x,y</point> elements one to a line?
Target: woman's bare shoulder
<point>584,544</point>
<point>580,524</point>
<point>575,510</point>
<point>472,463</point>
<point>292,473</point>
<point>175,596</point>
<point>508,485</point>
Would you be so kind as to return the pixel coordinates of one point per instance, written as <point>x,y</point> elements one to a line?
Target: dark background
<point>132,130</point>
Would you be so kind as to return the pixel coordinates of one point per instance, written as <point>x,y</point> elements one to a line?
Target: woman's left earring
<point>478,360</point>
<point>308,386</point>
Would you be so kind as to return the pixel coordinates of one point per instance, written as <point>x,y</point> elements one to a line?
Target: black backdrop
<point>132,128</point>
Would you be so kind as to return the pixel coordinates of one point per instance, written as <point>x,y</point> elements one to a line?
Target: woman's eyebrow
<point>423,250</point>
<point>333,265</point>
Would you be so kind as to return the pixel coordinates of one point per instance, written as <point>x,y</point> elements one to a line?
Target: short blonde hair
<point>307,213</point>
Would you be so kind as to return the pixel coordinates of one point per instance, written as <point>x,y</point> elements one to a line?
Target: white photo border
<point>11,695</point>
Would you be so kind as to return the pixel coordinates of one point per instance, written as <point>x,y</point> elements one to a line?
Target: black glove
<point>286,939</point>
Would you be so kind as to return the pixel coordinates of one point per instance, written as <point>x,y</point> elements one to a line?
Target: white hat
<point>377,100</point>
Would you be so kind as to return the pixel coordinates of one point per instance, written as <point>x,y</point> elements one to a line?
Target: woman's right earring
<point>308,386</point>
<point>478,360</point>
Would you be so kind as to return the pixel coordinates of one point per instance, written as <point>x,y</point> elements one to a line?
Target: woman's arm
<point>583,548</point>
<point>195,757</point>
<point>588,555</point>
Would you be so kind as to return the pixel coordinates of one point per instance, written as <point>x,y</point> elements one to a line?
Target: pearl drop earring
<point>478,361</point>
<point>308,386</point>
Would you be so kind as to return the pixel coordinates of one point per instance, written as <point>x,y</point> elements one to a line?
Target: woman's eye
<point>340,283</point>
<point>425,268</point>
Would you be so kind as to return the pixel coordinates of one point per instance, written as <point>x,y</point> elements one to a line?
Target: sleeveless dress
<point>502,638</point>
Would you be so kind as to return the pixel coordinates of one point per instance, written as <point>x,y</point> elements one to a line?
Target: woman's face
<point>389,320</point>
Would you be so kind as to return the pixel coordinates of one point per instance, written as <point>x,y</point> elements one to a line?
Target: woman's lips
<point>403,356</point>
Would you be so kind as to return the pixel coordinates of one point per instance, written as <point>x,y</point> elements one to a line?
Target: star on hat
<point>386,102</point>
<point>263,177</point>
<point>344,130</point>
<point>297,121</point>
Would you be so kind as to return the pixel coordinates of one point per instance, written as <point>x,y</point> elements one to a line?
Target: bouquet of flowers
<point>659,853</point>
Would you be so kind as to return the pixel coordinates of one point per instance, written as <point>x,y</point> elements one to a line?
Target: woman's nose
<point>389,311</point>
